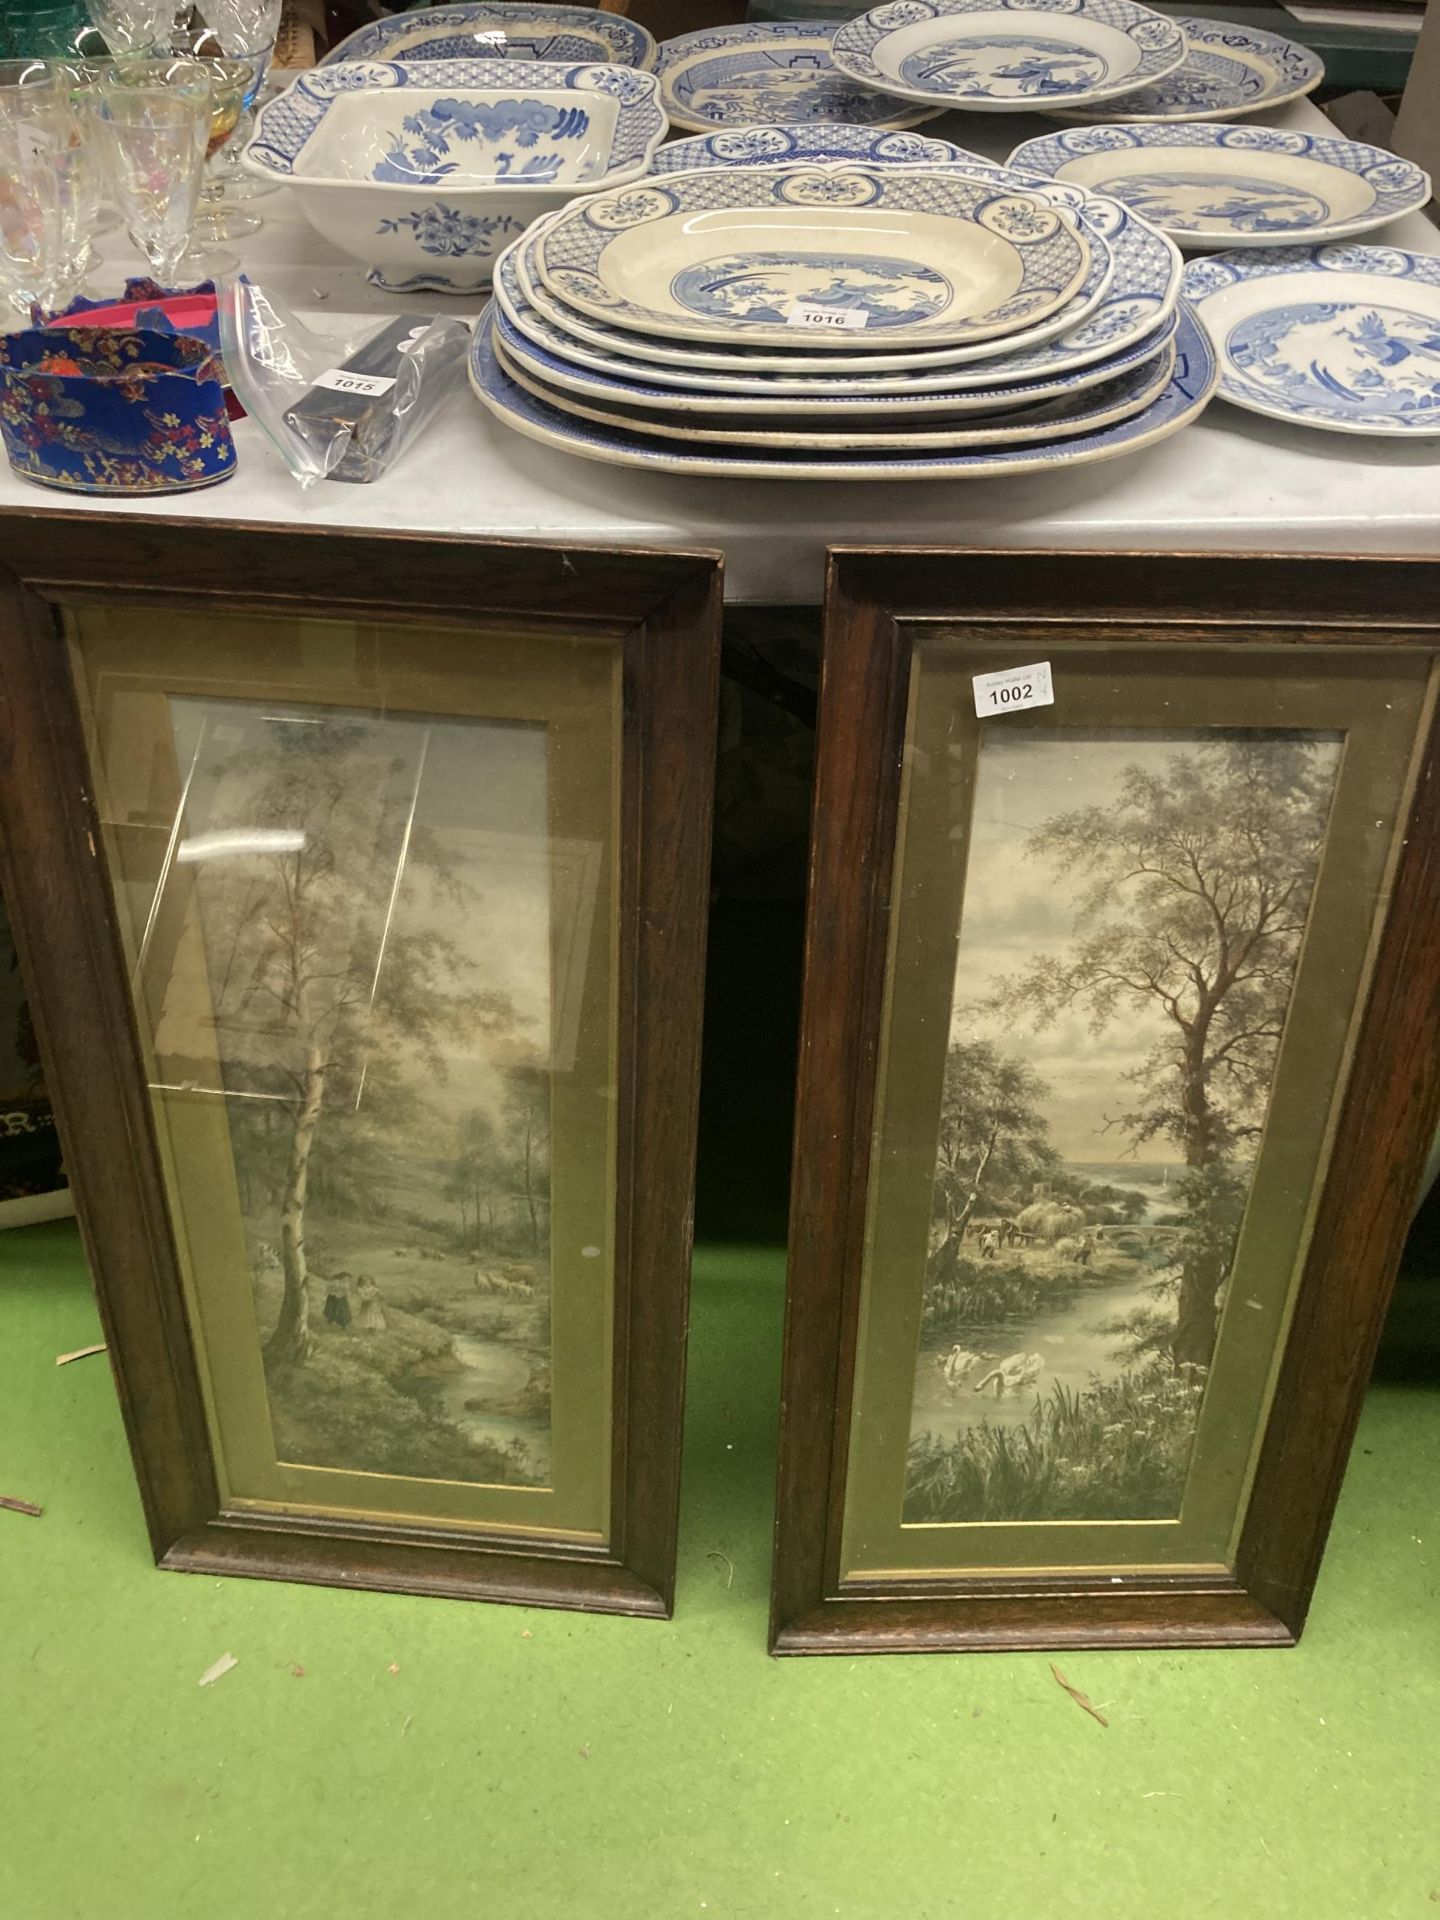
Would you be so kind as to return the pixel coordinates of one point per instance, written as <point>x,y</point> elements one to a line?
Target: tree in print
<point>992,1138</point>
<point>325,994</point>
<point>1194,887</point>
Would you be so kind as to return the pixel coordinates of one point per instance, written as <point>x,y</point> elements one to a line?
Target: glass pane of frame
<point>365,880</point>
<point>1129,939</point>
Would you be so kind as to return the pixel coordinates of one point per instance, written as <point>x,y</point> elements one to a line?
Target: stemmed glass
<point>46,182</point>
<point>236,77</point>
<point>246,29</point>
<point>156,115</point>
<point>134,26</point>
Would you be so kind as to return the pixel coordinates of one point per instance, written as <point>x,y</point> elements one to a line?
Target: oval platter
<point>901,257</point>
<point>1191,384</point>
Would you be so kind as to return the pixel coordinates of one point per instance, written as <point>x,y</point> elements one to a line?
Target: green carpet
<point>537,1764</point>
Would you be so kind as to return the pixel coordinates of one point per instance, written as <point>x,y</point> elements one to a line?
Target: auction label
<point>826,319</point>
<point>1013,690</point>
<point>369,385</point>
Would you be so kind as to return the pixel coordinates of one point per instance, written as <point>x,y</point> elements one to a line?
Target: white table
<point>1230,481</point>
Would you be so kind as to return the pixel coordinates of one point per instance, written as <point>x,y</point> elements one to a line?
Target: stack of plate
<point>792,301</point>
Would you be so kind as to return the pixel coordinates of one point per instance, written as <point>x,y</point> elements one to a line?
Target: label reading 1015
<point>1013,690</point>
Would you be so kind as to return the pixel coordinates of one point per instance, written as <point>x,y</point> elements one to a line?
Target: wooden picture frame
<point>104,622</point>
<point>889,1536</point>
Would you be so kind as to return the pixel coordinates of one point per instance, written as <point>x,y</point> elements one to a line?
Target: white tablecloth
<point>1232,480</point>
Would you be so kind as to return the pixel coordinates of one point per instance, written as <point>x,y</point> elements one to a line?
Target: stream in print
<point>1134,911</point>
<point>371,896</point>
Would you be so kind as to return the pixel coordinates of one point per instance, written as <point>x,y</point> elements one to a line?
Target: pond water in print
<point>494,1375</point>
<point>1067,1339</point>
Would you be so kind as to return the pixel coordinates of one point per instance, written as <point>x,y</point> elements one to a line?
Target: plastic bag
<point>337,408</point>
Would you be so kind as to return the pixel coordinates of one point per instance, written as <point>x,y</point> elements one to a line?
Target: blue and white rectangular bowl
<point>425,170</point>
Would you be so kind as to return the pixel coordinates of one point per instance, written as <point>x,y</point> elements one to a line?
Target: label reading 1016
<point>826,319</point>
<point>1013,690</point>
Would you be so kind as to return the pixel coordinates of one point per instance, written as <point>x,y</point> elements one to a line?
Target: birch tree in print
<point>1192,892</point>
<point>325,995</point>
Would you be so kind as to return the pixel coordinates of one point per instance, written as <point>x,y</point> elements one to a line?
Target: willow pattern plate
<point>1130,298</point>
<point>820,143</point>
<point>1190,387</point>
<point>1213,186</point>
<point>1113,400</point>
<point>501,30</point>
<point>566,362</point>
<point>992,56</point>
<point>1228,72</point>
<point>775,70</point>
<point>903,256</point>
<point>1344,338</point>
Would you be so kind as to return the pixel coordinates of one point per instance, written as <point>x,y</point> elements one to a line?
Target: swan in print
<point>956,1364</point>
<point>1021,1370</point>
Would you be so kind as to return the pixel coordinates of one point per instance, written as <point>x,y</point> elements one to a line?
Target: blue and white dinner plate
<point>772,70</point>
<point>994,56</point>
<point>828,257</point>
<point>1344,338</point>
<point>1216,186</point>
<point>689,417</point>
<point>807,144</point>
<point>1190,387</point>
<point>501,30</point>
<point>563,361</point>
<point>1229,71</point>
<point>1129,301</point>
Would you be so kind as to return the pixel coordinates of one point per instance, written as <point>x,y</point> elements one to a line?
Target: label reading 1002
<point>1013,690</point>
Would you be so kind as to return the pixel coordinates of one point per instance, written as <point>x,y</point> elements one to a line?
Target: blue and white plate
<point>821,142</point>
<point>684,416</point>
<point>501,30</point>
<point>777,70</point>
<point>1131,291</point>
<point>1229,72</point>
<point>994,56</point>
<point>1213,186</point>
<point>1345,338</point>
<point>816,256</point>
<point>1190,387</point>
<point>575,364</point>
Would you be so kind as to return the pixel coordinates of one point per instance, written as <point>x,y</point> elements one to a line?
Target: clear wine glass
<point>243,26</point>
<point>157,116</point>
<point>134,26</point>
<point>237,75</point>
<point>44,241</point>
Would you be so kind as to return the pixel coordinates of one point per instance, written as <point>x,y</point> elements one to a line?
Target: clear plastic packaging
<point>337,408</point>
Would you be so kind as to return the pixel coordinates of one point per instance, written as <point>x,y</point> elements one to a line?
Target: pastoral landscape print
<point>372,898</point>
<point>1133,916</point>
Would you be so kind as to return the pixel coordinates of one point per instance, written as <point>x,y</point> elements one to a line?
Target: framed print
<point>1118,1068</point>
<point>363,886</point>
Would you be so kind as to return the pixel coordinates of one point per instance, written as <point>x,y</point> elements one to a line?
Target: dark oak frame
<point>662,610</point>
<point>1387,1118</point>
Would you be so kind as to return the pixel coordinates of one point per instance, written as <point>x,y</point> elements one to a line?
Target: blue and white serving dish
<point>1344,338</point>
<point>1150,284</point>
<point>1189,387</point>
<point>501,30</point>
<point>1217,186</point>
<point>813,143</point>
<point>670,414</point>
<point>833,257</point>
<point>1229,71</point>
<point>780,70</point>
<point>994,56</point>
<point>426,170</point>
